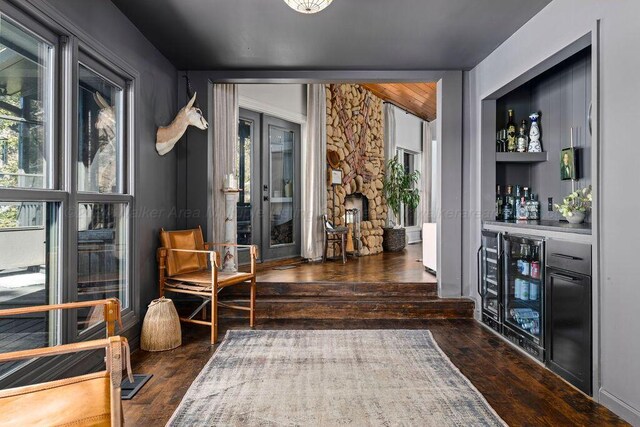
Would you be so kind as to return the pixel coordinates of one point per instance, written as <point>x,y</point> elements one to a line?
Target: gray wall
<point>449,136</point>
<point>615,247</point>
<point>99,22</point>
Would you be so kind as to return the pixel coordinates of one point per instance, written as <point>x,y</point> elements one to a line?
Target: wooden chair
<point>188,265</point>
<point>334,236</point>
<point>87,400</point>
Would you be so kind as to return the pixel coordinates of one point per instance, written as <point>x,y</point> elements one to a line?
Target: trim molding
<point>623,409</point>
<point>262,107</point>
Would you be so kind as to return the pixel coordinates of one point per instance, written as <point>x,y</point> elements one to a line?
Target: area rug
<point>332,378</point>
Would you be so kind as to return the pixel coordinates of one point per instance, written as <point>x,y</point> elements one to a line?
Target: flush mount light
<point>308,6</point>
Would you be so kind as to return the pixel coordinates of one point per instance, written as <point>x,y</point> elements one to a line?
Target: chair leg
<point>214,315</point>
<point>343,249</point>
<point>326,248</point>
<point>252,313</point>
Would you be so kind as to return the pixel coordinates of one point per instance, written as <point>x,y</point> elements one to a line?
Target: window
<point>26,81</point>
<point>28,274</point>
<point>409,217</point>
<point>29,227</point>
<point>103,203</point>
<point>99,133</point>
<point>87,194</point>
<point>102,256</point>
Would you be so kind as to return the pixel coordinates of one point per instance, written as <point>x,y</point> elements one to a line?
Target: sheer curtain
<point>314,172</point>
<point>427,171</point>
<point>224,134</point>
<point>390,144</point>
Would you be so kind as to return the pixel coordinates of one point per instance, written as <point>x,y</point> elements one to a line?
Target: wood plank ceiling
<point>417,98</point>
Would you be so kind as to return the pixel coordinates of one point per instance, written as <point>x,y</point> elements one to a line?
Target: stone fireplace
<point>355,135</point>
<point>358,201</point>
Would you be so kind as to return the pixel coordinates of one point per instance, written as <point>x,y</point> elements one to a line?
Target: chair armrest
<point>105,343</point>
<point>253,248</point>
<point>213,255</point>
<point>60,349</point>
<point>111,310</point>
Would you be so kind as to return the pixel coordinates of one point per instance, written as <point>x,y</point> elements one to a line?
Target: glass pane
<point>243,166</point>
<point>102,257</point>
<point>28,275</point>
<point>99,134</point>
<point>524,286</point>
<point>410,217</point>
<point>281,167</point>
<point>25,107</point>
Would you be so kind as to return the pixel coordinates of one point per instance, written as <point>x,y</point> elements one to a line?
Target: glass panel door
<point>281,183</point>
<point>281,189</point>
<point>490,272</point>
<point>524,286</point>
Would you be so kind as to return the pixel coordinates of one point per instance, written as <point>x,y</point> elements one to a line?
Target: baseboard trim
<point>621,408</point>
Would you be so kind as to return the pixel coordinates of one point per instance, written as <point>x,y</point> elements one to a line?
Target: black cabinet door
<point>569,327</point>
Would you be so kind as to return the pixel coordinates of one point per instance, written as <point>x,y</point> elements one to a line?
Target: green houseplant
<point>575,206</point>
<point>399,189</point>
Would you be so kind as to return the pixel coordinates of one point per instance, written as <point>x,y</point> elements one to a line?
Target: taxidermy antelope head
<point>104,161</point>
<point>189,115</point>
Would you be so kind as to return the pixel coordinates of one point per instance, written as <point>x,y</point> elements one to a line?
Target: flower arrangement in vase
<point>575,206</point>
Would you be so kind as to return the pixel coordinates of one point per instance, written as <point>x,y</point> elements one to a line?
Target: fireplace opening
<point>358,201</point>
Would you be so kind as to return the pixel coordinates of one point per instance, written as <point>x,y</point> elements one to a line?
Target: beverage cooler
<point>489,279</point>
<point>523,293</point>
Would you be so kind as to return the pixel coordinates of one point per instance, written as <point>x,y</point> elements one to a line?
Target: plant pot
<point>394,239</point>
<point>576,218</point>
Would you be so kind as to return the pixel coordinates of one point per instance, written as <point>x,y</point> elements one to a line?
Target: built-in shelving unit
<point>521,157</point>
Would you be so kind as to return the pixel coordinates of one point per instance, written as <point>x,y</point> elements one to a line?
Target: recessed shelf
<point>521,157</point>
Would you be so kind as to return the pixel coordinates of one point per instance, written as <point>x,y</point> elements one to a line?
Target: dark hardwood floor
<point>521,391</point>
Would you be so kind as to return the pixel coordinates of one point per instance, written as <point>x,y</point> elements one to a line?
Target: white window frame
<point>414,234</point>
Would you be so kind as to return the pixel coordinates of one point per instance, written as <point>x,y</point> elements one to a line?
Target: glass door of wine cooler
<point>490,274</point>
<point>524,290</point>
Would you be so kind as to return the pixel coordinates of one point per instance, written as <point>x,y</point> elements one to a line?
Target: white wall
<point>284,101</point>
<point>555,27</point>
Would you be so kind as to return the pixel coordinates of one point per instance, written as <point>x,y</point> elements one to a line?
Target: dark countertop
<point>549,225</point>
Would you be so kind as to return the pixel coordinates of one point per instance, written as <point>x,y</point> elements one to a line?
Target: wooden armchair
<point>88,400</point>
<point>188,265</point>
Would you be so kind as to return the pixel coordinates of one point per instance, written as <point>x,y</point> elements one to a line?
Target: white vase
<point>576,218</point>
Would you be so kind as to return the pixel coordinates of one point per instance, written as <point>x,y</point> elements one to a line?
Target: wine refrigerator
<point>512,287</point>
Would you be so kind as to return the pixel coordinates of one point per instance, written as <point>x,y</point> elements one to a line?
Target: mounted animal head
<point>189,115</point>
<point>106,122</point>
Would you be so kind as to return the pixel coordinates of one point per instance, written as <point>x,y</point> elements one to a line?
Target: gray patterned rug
<point>332,378</point>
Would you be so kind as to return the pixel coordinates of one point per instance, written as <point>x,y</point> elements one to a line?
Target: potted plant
<point>575,206</point>
<point>399,189</point>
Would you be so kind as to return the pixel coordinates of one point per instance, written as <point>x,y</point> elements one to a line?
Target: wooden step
<point>287,307</point>
<point>335,289</point>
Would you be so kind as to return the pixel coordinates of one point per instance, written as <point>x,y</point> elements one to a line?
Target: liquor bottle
<point>509,203</point>
<point>522,142</point>
<point>511,133</point>
<point>516,203</point>
<point>533,208</point>
<point>499,203</point>
<point>522,205</point>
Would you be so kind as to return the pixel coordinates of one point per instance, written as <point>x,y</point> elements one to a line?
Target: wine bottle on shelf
<point>511,133</point>
<point>522,204</point>
<point>522,142</point>
<point>507,208</point>
<point>499,203</point>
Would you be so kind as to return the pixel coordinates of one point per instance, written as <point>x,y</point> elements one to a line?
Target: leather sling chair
<point>85,400</point>
<point>187,265</point>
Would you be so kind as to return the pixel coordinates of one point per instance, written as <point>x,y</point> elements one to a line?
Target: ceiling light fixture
<point>308,6</point>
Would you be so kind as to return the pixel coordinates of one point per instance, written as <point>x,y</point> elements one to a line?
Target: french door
<point>269,176</point>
